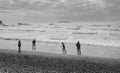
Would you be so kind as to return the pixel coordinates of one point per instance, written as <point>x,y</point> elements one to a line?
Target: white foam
<point>65,35</point>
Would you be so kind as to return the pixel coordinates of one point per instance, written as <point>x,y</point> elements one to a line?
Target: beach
<point>59,36</point>
<point>100,39</point>
<point>87,50</point>
<point>95,33</point>
<point>41,62</point>
<point>99,46</point>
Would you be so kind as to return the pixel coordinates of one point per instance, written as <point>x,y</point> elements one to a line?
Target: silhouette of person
<point>1,22</point>
<point>78,45</point>
<point>19,46</point>
<point>34,44</point>
<point>63,48</point>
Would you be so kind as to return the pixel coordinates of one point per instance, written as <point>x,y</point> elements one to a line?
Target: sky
<point>73,10</point>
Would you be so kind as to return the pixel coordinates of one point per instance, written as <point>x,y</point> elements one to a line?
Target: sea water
<point>96,33</point>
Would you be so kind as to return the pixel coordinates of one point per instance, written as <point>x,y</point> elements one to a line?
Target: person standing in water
<point>34,44</point>
<point>63,48</point>
<point>19,46</point>
<point>78,45</point>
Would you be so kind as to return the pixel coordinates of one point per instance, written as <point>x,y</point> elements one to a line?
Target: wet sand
<point>87,50</point>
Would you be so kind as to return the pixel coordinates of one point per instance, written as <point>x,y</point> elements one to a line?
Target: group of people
<point>33,45</point>
<point>78,45</point>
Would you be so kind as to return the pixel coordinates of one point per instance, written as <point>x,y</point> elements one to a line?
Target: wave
<point>64,33</point>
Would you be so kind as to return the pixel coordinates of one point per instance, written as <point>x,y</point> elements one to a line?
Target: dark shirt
<point>63,45</point>
<point>78,45</point>
<point>34,42</point>
<point>19,44</point>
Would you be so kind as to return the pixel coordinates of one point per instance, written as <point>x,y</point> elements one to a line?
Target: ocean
<point>96,33</point>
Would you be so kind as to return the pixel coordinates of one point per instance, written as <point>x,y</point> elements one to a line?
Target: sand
<point>43,62</point>
<point>87,50</point>
<point>48,58</point>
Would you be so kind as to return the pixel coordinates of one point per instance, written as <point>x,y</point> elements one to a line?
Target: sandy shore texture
<point>42,62</point>
<point>48,58</point>
<point>87,50</point>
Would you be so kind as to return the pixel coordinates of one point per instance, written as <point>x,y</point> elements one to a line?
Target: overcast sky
<point>78,10</point>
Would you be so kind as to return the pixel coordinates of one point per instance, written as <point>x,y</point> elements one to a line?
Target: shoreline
<point>59,41</point>
<point>101,34</point>
<point>87,50</point>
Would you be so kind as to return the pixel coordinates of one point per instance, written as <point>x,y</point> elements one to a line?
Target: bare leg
<point>33,47</point>
<point>64,51</point>
<point>79,52</point>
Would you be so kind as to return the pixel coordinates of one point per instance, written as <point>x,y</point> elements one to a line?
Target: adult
<point>63,48</point>
<point>1,22</point>
<point>78,45</point>
<point>34,44</point>
<point>19,46</point>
